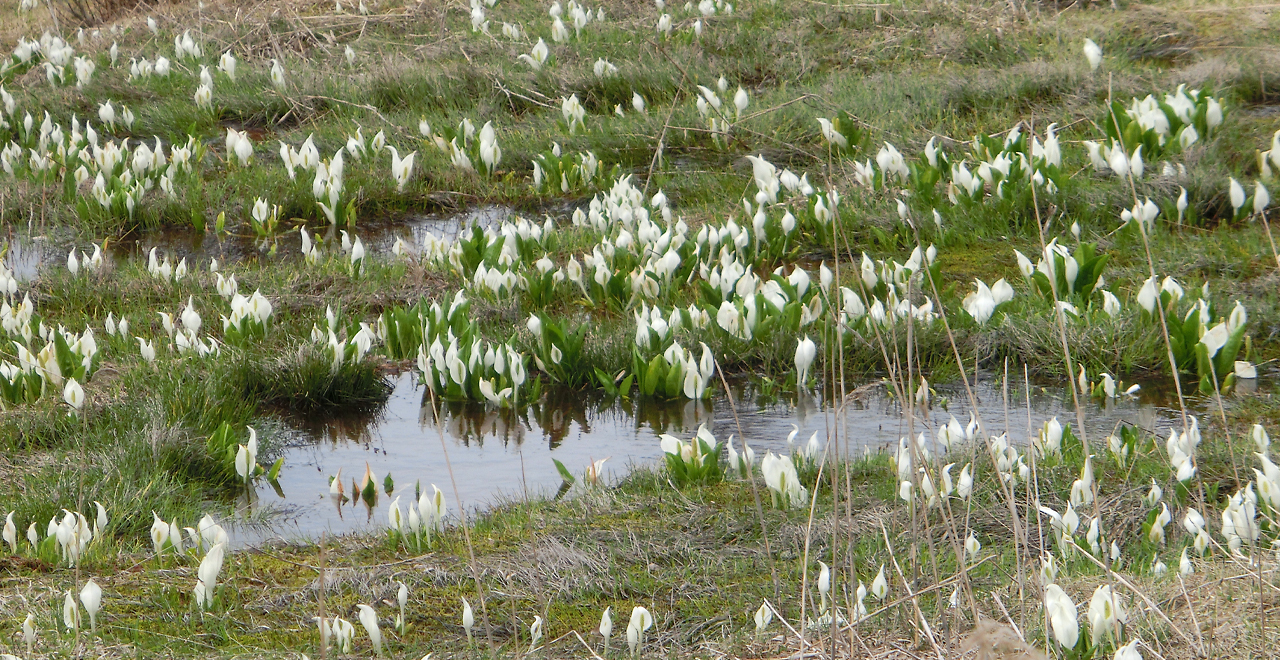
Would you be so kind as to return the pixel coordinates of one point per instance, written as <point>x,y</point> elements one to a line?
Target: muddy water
<point>500,456</point>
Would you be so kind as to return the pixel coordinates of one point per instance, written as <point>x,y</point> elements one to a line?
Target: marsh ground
<point>700,557</point>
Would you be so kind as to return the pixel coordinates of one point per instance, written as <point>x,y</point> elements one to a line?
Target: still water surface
<point>29,254</point>
<point>500,456</point>
<point>497,456</point>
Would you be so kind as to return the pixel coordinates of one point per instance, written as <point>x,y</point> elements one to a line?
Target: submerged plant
<point>557,349</point>
<point>674,373</point>
<point>695,461</point>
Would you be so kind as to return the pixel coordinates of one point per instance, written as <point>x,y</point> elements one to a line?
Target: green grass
<point>906,72</point>
<point>691,556</point>
<point>936,71</point>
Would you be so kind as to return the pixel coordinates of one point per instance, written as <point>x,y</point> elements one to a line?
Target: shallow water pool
<point>499,455</point>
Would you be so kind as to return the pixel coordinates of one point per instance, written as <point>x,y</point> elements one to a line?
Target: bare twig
<point>755,491</point>
<point>915,601</point>
<point>362,106</point>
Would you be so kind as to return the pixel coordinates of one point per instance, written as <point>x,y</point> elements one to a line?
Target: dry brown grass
<point>992,641</point>
<point>14,24</point>
<point>563,556</point>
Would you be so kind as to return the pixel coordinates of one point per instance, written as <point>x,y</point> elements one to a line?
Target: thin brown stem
<point>438,411</point>
<point>755,491</point>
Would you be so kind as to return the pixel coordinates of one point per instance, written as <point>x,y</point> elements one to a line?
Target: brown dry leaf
<point>994,641</point>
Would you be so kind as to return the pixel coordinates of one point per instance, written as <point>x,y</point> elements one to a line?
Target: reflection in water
<point>470,424</point>
<point>498,455</point>
<point>559,414</point>
<point>23,253</point>
<point>28,255</point>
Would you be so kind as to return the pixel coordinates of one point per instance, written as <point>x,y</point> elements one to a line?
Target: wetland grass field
<point>793,329</point>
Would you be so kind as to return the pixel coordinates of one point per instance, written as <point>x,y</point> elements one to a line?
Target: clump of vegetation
<point>809,198</point>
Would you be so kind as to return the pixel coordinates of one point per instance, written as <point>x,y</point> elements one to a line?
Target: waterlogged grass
<point>696,556</point>
<point>908,74</point>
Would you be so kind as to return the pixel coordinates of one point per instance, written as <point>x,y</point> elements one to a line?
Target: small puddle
<point>25,255</point>
<point>378,237</point>
<point>29,255</point>
<point>497,457</point>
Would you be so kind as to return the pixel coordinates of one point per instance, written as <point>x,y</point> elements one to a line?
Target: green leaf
<point>653,375</point>
<point>673,385</point>
<point>606,382</point>
<point>565,474</point>
<point>1225,360</point>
